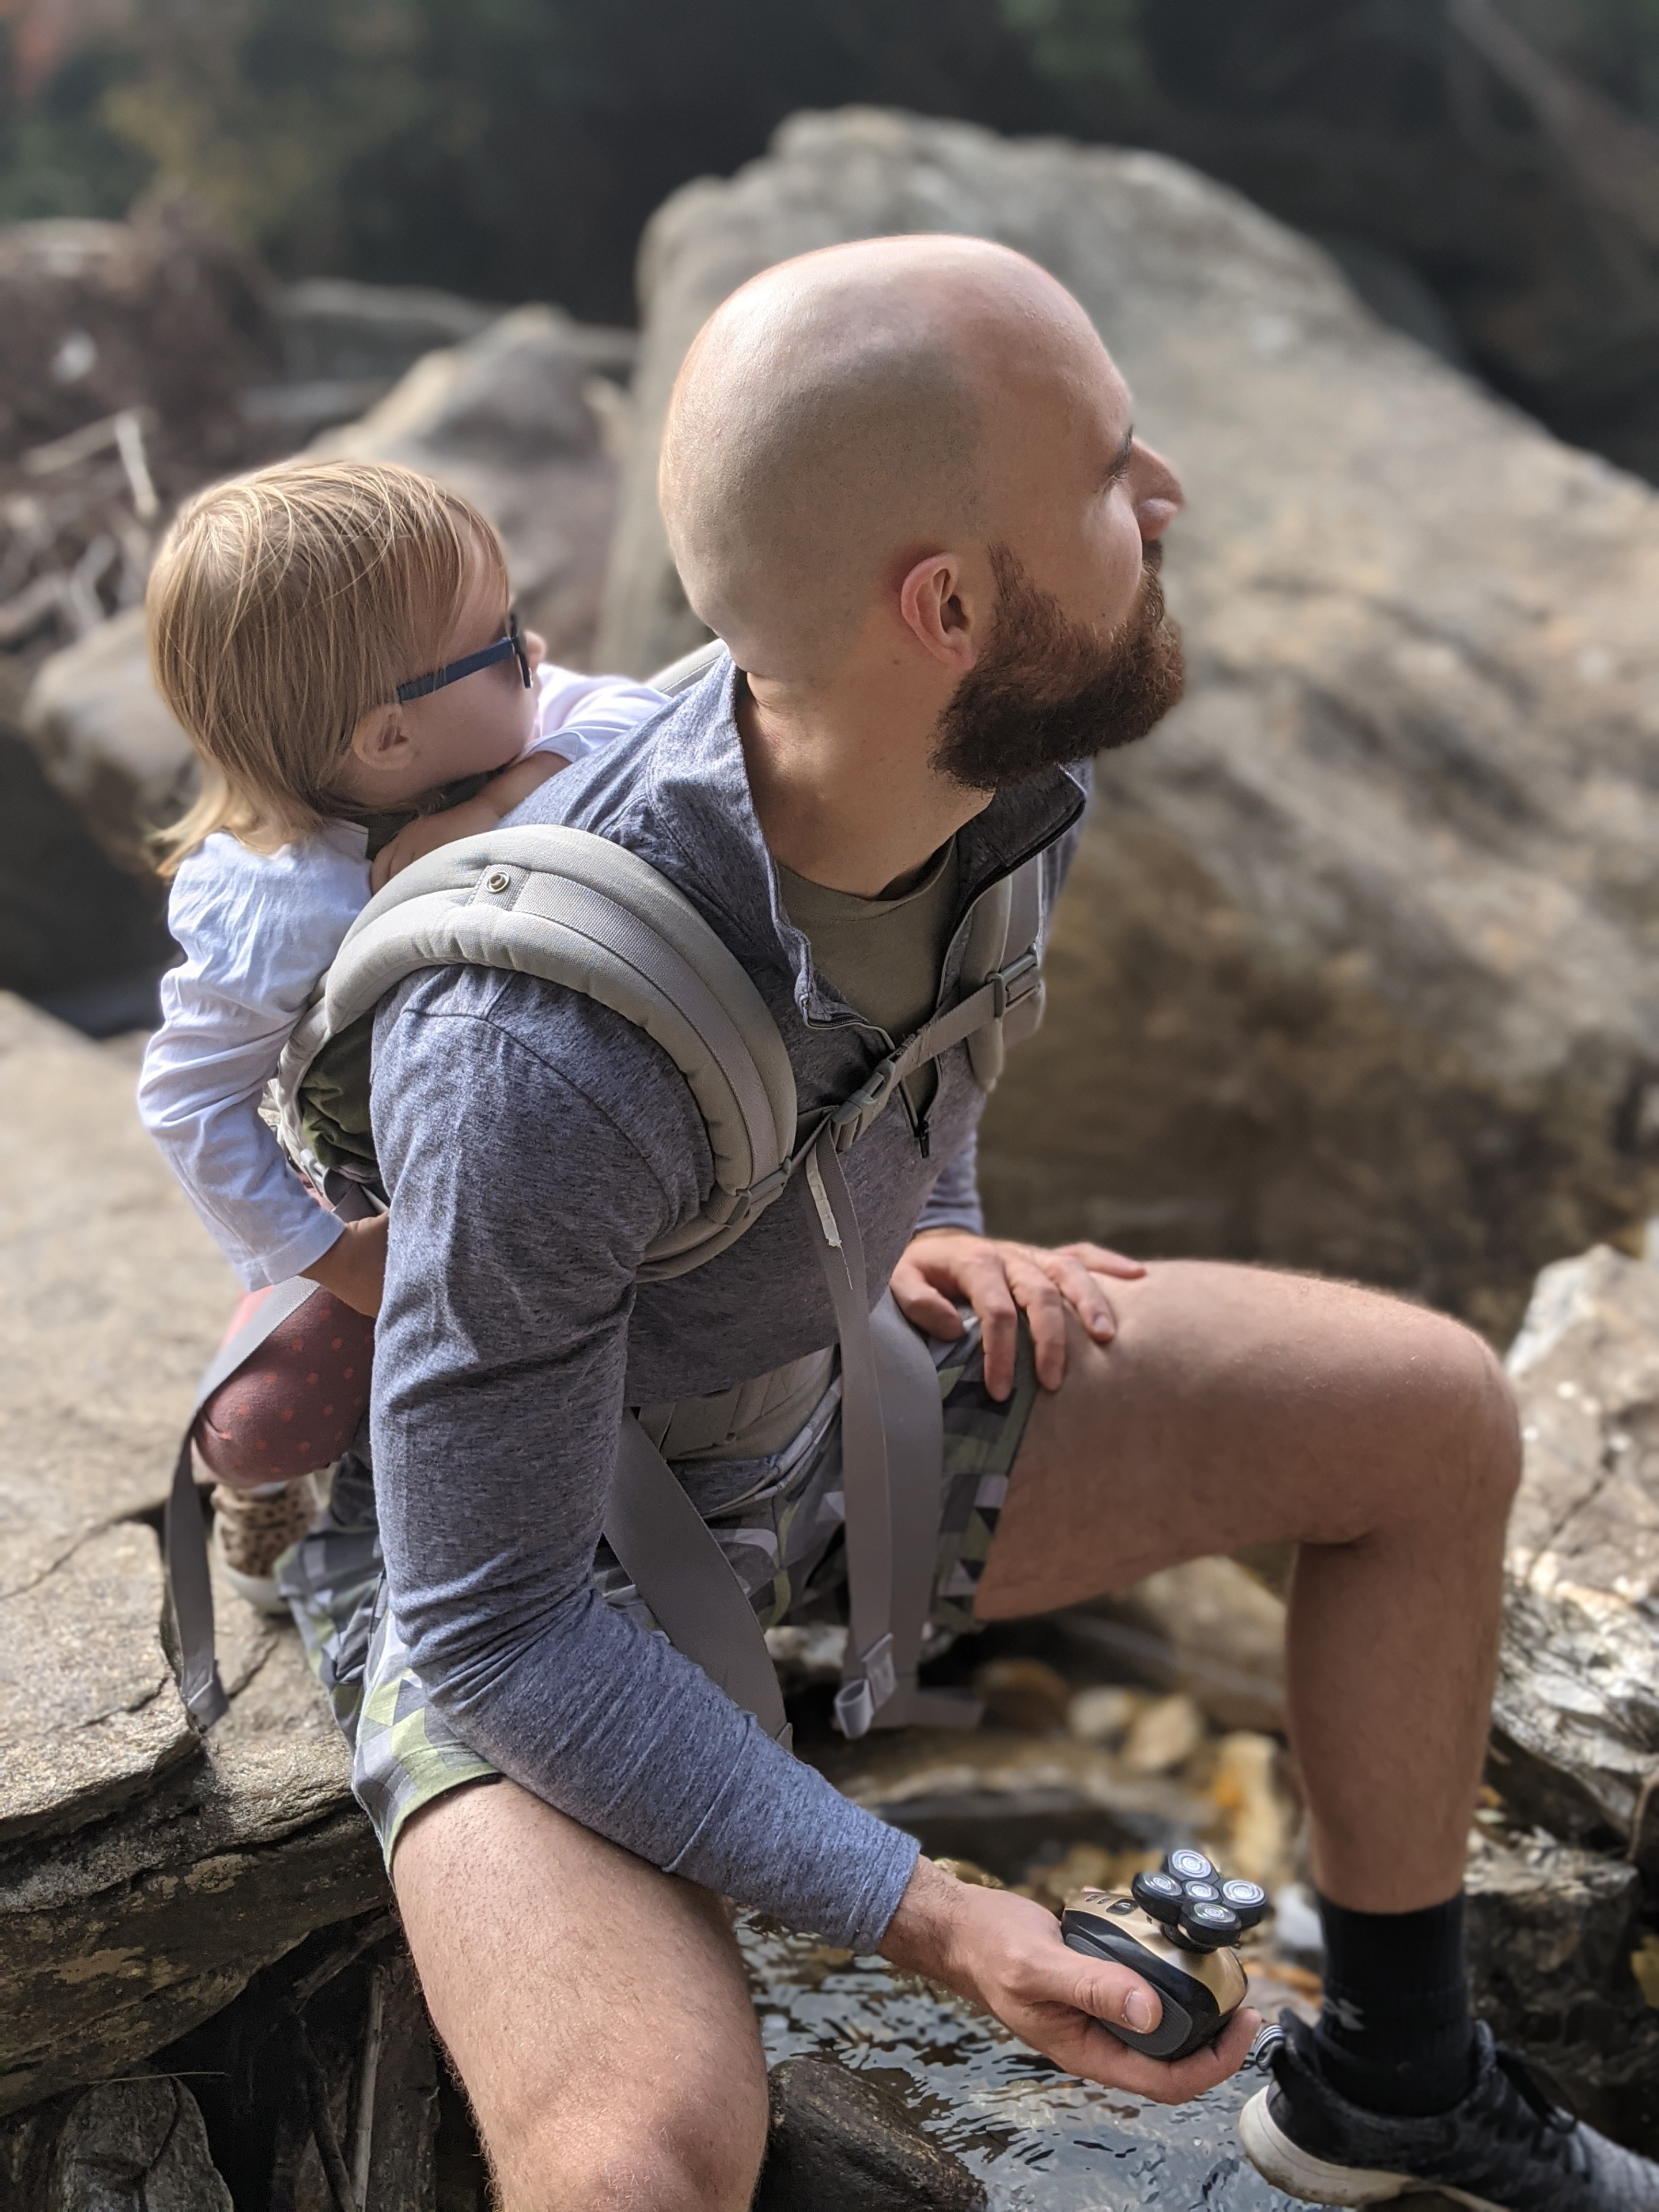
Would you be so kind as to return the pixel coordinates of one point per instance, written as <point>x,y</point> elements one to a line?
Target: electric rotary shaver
<point>1176,1929</point>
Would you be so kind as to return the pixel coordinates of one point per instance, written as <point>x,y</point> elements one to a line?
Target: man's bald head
<point>847,409</point>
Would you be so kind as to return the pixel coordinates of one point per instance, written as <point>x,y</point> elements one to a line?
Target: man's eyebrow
<point>1125,454</point>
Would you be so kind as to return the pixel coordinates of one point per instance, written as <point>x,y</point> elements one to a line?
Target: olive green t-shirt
<point>882,955</point>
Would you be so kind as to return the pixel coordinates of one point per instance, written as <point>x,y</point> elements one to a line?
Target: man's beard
<point>1046,690</point>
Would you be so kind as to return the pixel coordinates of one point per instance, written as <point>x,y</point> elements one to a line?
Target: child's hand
<point>353,1266</point>
<point>473,816</point>
<point>423,835</point>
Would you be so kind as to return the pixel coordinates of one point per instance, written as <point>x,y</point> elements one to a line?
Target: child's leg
<point>293,1406</point>
<point>295,1403</point>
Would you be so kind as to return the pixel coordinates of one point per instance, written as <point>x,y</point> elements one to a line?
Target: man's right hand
<point>1006,1953</point>
<point>353,1266</point>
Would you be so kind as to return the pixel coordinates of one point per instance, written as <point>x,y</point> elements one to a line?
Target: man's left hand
<point>1001,1279</point>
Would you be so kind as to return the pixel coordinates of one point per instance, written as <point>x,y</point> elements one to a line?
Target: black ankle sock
<point>1396,2034</point>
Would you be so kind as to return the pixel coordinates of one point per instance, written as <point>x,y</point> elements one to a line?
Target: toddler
<point>337,639</point>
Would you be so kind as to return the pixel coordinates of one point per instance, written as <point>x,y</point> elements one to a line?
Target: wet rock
<point>1354,974</point>
<point>135,2146</point>
<point>837,2138</point>
<point>1259,1819</point>
<point>1576,1710</point>
<point>515,418</point>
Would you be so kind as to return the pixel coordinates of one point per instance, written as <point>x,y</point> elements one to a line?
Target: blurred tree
<point>506,148</point>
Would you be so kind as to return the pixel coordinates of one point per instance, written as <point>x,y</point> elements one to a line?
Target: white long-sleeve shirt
<point>258,931</point>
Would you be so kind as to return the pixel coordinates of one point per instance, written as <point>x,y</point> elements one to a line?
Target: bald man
<point>903,485</point>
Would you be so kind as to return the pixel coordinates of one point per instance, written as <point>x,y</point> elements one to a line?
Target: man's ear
<point>381,741</point>
<point>949,618</point>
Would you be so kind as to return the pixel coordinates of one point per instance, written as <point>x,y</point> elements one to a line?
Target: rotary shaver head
<point>1176,1929</point>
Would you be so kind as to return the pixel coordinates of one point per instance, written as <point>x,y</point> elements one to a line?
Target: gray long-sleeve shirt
<point>535,1143</point>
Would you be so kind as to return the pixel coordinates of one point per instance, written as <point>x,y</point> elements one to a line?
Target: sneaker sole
<point>1315,2181</point>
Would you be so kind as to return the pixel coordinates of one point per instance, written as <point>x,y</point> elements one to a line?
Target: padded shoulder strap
<point>576,909</point>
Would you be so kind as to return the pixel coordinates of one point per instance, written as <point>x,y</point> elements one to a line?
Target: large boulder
<point>145,1874</point>
<point>1354,973</point>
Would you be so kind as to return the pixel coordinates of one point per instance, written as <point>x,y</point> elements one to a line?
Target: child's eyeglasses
<point>508,647</point>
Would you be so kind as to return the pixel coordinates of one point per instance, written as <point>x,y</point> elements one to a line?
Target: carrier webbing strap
<point>184,1539</point>
<point>892,1460</point>
<point>670,1554</point>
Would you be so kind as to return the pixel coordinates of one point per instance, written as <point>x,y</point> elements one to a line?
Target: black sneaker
<point>1504,2148</point>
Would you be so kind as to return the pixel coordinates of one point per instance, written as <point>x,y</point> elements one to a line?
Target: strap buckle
<point>868,1099</point>
<point>1003,983</point>
<point>858,1701</point>
<point>759,1195</point>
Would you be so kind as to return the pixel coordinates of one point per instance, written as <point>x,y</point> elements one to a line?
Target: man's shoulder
<point>481,1045</point>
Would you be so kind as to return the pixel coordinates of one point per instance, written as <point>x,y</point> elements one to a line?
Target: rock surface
<point>1355,973</point>
<point>1552,1933</point>
<point>1577,1704</point>
<point>144,1876</point>
<point>135,2146</point>
<point>837,2138</point>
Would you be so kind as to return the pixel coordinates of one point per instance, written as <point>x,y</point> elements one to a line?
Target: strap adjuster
<point>859,1701</point>
<point>1004,981</point>
<point>760,1195</point>
<point>869,1097</point>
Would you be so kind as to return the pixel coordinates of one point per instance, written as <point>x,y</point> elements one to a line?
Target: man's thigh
<point>1234,1407</point>
<point>595,2009</point>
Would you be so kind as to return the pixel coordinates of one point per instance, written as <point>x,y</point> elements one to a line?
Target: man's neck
<point>843,789</point>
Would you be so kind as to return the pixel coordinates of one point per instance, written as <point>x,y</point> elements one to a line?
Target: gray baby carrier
<point>576,909</point>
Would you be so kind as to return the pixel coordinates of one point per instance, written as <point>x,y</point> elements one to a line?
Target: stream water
<point>1042,2141</point>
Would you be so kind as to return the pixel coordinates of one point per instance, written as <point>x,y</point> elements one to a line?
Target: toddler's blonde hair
<point>283,607</point>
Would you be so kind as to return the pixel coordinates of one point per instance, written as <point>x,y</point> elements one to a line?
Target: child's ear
<point>381,741</point>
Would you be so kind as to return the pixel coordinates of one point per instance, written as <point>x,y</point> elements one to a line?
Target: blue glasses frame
<point>510,647</point>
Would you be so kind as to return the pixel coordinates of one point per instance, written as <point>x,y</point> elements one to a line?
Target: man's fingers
<point>1099,1261</point>
<point>1045,1316</point>
<point>922,1306</point>
<point>1081,1290</point>
<point>986,1287</point>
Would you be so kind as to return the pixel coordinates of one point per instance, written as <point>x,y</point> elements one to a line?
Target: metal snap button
<point>498,880</point>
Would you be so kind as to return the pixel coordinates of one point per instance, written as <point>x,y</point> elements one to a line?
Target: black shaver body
<point>1176,1930</point>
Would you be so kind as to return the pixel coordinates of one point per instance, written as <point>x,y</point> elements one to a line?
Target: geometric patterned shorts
<point>783,1541</point>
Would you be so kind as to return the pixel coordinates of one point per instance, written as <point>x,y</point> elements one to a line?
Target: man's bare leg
<point>595,2009</point>
<point>1237,1406</point>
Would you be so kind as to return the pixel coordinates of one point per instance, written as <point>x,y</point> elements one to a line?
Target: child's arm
<point>257,932</point>
<point>499,797</point>
<point>353,1266</point>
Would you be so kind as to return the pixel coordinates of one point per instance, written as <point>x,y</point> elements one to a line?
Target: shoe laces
<point>1554,2128</point>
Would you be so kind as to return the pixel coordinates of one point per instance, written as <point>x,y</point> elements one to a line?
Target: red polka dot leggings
<point>295,1404</point>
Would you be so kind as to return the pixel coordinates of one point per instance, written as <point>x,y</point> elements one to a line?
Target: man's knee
<point>1457,1398</point>
<point>667,2147</point>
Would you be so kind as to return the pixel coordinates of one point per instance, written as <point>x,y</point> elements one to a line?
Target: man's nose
<point>1158,497</point>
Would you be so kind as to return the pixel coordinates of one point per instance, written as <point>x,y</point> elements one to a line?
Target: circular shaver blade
<point>1189,1865</point>
<point>1248,1900</point>
<point>1208,1925</point>
<point>1159,1895</point>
